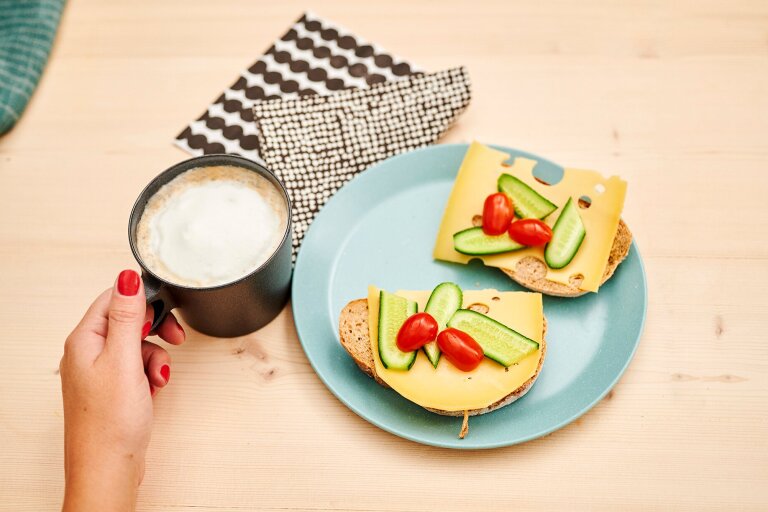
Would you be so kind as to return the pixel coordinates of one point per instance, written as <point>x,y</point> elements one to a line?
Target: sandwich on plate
<point>467,352</point>
<point>564,238</point>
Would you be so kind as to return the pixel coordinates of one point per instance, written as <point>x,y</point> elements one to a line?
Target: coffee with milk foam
<point>211,225</point>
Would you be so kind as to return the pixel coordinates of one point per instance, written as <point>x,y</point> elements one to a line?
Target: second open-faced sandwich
<point>564,238</point>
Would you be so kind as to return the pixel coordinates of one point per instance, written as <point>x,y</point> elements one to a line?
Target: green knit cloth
<point>27,29</point>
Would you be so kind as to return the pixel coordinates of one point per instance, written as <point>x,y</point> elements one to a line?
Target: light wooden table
<point>672,97</point>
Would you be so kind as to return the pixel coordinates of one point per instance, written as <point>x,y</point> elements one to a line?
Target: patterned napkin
<point>315,143</point>
<point>314,57</point>
<point>321,105</point>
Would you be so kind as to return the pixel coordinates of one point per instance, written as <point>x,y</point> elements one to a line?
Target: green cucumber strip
<point>445,299</point>
<point>567,236</point>
<point>528,203</point>
<point>474,242</point>
<point>500,343</point>
<point>393,311</point>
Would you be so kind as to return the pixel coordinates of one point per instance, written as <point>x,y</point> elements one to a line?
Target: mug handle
<point>158,297</point>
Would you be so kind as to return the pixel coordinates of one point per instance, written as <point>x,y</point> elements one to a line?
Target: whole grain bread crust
<point>353,333</point>
<point>531,272</point>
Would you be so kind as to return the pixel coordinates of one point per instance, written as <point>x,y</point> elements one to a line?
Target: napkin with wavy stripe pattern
<point>315,56</point>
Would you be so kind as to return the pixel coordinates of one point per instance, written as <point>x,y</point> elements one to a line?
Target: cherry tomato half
<point>530,232</point>
<point>460,349</point>
<point>417,330</point>
<point>497,214</point>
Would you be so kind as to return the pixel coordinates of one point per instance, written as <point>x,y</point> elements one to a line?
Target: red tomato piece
<point>417,330</point>
<point>497,214</point>
<point>460,349</point>
<point>530,232</point>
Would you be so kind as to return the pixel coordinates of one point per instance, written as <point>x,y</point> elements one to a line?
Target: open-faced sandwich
<point>565,238</point>
<point>467,353</point>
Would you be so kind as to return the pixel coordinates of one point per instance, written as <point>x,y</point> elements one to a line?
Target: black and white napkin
<point>316,143</point>
<point>323,104</point>
<point>315,56</point>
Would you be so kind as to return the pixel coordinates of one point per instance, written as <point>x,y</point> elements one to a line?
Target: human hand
<point>109,375</point>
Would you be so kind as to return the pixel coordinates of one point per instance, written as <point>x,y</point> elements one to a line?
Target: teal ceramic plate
<point>379,229</point>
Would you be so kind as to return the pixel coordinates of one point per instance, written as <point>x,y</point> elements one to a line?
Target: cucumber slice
<point>393,311</point>
<point>500,343</point>
<point>528,203</point>
<point>567,236</point>
<point>445,299</point>
<point>474,242</point>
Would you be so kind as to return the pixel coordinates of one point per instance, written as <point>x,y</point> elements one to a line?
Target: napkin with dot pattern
<point>315,144</point>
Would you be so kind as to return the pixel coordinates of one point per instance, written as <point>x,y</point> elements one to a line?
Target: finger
<point>86,341</point>
<point>127,308</point>
<point>157,364</point>
<point>171,331</point>
<point>149,316</point>
<point>95,318</point>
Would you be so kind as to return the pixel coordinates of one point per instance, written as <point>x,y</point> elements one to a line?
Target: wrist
<point>101,481</point>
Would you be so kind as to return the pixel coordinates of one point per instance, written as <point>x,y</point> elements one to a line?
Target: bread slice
<point>353,333</point>
<point>531,271</point>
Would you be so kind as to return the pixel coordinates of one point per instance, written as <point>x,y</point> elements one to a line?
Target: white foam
<point>206,232</point>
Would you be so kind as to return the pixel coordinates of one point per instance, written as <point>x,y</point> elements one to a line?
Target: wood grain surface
<point>673,96</point>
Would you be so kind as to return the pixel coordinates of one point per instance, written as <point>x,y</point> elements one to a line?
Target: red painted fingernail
<point>165,371</point>
<point>145,329</point>
<point>128,283</point>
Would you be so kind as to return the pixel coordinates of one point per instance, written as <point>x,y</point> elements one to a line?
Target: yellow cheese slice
<point>477,179</point>
<point>448,388</point>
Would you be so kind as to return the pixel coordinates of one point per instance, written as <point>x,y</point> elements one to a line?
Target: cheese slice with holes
<point>448,388</point>
<point>477,179</point>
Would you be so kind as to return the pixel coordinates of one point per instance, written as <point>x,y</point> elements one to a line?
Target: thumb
<point>127,308</point>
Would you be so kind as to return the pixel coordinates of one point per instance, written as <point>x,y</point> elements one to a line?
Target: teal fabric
<point>27,29</point>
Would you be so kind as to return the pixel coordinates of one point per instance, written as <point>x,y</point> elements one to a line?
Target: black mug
<point>232,309</point>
